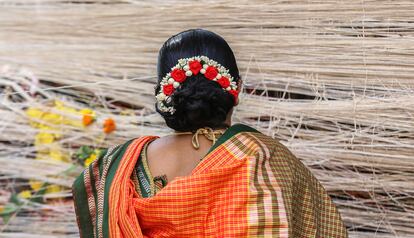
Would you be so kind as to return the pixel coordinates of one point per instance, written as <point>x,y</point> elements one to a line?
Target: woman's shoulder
<point>123,145</point>
<point>261,140</point>
<point>264,147</point>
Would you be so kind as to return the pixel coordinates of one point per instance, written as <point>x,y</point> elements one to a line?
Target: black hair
<point>198,102</point>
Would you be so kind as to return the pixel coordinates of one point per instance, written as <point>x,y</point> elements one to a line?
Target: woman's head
<point>198,102</point>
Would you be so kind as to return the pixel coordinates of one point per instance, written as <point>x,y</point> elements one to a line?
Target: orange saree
<point>247,185</point>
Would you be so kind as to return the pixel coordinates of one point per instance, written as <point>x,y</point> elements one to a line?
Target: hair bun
<point>199,102</point>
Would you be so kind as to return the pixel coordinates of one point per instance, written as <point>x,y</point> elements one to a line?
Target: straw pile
<point>332,80</point>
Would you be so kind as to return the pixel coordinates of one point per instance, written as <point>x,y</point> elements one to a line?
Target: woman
<point>231,182</point>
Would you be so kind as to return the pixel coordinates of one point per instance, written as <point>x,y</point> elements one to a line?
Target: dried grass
<point>332,80</point>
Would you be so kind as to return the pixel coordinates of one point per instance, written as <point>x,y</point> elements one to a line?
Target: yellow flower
<point>70,116</point>
<point>55,153</point>
<point>87,111</point>
<point>90,159</point>
<point>53,189</point>
<point>25,194</point>
<point>1,209</point>
<point>97,151</point>
<point>35,185</point>
<point>42,141</point>
<point>44,138</point>
<point>52,118</point>
<point>34,114</point>
<point>44,127</point>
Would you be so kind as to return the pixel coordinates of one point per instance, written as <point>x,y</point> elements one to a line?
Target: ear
<point>239,84</point>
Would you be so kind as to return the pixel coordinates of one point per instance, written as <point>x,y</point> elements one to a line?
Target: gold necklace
<point>208,132</point>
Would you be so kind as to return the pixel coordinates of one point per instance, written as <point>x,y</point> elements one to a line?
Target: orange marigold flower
<point>109,125</point>
<point>87,119</point>
<point>88,116</point>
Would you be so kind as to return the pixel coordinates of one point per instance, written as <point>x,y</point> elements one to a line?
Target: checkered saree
<point>247,185</point>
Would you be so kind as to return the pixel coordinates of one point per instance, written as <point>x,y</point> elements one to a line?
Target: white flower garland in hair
<point>187,67</point>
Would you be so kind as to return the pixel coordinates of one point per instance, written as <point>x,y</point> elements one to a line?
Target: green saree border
<point>113,167</point>
<point>81,207</point>
<point>142,164</point>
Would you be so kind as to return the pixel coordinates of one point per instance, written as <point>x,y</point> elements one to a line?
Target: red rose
<point>195,66</point>
<point>168,89</point>
<point>211,72</point>
<point>178,75</point>
<point>235,94</point>
<point>224,82</point>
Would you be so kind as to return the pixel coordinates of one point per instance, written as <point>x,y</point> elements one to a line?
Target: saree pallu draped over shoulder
<point>247,185</point>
